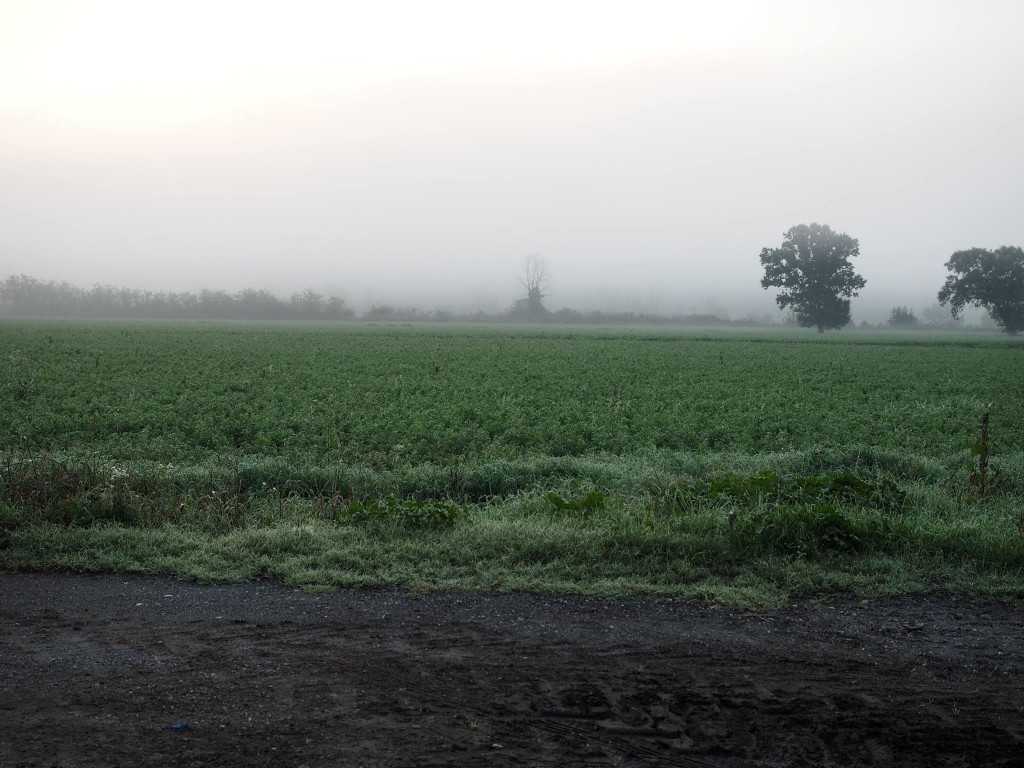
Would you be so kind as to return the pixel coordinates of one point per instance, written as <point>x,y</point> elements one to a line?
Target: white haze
<point>416,153</point>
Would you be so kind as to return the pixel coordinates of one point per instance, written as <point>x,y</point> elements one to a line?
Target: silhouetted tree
<point>901,317</point>
<point>937,316</point>
<point>253,303</point>
<point>394,314</point>
<point>813,269</point>
<point>536,280</point>
<point>307,305</point>
<point>335,309</point>
<point>990,279</point>
<point>24,295</point>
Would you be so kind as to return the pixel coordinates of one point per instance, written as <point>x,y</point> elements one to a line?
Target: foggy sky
<point>416,153</point>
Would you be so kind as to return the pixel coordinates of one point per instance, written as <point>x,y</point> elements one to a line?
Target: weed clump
<point>771,488</point>
<point>79,493</point>
<point>581,505</point>
<point>804,530</point>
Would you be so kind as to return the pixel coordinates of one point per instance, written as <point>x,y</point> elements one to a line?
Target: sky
<point>415,153</point>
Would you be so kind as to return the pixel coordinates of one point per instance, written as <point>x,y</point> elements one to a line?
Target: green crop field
<point>730,466</point>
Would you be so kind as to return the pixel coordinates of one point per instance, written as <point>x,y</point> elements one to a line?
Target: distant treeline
<point>517,314</point>
<point>24,296</point>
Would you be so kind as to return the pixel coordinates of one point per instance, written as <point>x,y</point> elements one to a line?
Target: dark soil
<point>97,671</point>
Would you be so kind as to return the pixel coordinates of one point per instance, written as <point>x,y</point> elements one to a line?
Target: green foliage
<point>981,478</point>
<point>583,504</point>
<point>76,494</point>
<point>771,488</point>
<point>770,554</point>
<point>990,279</point>
<point>802,530</point>
<point>814,272</point>
<point>406,513</point>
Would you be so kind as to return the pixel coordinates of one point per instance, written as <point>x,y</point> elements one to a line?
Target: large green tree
<point>990,279</point>
<point>813,270</point>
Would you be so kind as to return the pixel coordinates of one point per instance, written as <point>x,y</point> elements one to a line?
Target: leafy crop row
<point>393,397</point>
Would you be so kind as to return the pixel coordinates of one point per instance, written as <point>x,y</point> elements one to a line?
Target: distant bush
<point>902,317</point>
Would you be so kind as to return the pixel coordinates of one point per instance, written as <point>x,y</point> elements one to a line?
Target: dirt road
<point>124,671</point>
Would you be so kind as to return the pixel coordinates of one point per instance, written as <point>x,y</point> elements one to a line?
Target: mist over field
<point>409,155</point>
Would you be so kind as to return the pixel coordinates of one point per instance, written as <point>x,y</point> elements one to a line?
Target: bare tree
<point>536,279</point>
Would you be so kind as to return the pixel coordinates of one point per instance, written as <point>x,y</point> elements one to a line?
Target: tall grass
<point>665,525</point>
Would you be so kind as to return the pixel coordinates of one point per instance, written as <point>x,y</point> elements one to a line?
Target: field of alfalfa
<point>728,466</point>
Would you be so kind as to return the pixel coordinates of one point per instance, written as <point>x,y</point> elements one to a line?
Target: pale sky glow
<point>417,152</point>
<point>134,63</point>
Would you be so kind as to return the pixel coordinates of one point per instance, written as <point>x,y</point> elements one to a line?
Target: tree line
<point>25,296</point>
<point>21,295</point>
<point>811,268</point>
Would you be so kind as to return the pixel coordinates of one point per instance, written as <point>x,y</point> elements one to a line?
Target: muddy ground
<point>98,671</point>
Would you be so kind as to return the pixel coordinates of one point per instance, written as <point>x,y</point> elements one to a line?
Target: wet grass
<point>756,538</point>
